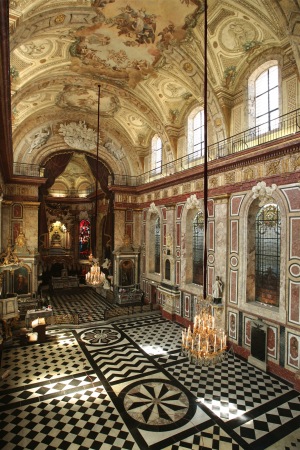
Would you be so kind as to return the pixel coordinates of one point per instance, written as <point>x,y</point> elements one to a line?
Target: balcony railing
<point>286,125</point>
<point>28,170</point>
<point>71,193</point>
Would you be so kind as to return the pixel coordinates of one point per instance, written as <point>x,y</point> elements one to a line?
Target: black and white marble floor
<point>125,385</point>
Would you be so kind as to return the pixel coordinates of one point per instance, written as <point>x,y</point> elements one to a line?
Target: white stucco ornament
<point>263,192</point>
<point>78,135</point>
<point>192,202</point>
<point>153,209</point>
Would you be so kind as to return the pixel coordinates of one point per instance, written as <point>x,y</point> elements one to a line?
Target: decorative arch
<point>190,211</point>
<point>247,217</point>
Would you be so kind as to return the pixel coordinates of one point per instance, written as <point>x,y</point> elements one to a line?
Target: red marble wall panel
<point>210,208</point>
<point>164,234</point>
<point>128,230</point>
<point>144,215</point>
<point>164,213</point>
<point>16,228</point>
<point>236,204</point>
<point>294,308</point>
<point>211,236</point>
<point>272,341</point>
<point>129,215</point>
<point>210,279</point>
<point>179,211</point>
<point>178,234</point>
<point>295,238</point>
<point>293,198</point>
<point>234,233</point>
<point>293,342</point>
<point>232,325</point>
<point>233,286</point>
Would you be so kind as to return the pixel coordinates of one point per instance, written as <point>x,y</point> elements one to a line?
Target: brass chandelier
<point>204,344</point>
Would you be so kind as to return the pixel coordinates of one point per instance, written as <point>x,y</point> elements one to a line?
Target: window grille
<point>157,246</point>
<point>198,248</point>
<point>267,255</point>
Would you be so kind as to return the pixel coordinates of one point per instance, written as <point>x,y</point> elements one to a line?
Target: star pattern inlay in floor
<point>126,385</point>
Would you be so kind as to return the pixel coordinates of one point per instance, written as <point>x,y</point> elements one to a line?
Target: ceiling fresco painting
<point>147,57</point>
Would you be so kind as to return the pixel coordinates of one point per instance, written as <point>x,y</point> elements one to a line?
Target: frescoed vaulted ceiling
<point>147,58</point>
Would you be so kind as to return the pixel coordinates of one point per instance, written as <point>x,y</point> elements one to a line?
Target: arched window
<point>196,134</point>
<point>157,246</point>
<point>156,156</point>
<point>267,254</point>
<point>266,100</point>
<point>198,248</point>
<point>263,88</point>
<point>84,239</point>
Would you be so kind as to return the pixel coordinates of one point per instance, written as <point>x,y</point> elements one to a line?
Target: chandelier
<point>204,344</point>
<point>95,277</point>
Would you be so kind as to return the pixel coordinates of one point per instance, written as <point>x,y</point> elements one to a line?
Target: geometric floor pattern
<point>125,385</point>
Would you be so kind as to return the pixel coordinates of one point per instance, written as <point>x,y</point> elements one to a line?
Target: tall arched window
<point>156,156</point>
<point>198,248</point>
<point>196,134</point>
<point>267,254</point>
<point>267,100</point>
<point>84,239</point>
<point>157,246</point>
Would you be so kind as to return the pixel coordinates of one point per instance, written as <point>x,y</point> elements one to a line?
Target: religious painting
<point>21,281</point>
<point>272,341</point>
<point>17,212</point>
<point>232,325</point>
<point>293,342</point>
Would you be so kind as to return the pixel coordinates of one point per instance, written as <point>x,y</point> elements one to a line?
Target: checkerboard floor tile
<point>126,385</point>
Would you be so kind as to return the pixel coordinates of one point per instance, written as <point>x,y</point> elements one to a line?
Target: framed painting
<point>21,281</point>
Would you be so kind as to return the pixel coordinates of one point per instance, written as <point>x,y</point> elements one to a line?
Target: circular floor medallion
<point>100,336</point>
<point>157,403</point>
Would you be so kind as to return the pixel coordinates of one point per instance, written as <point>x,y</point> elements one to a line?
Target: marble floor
<point>125,385</point>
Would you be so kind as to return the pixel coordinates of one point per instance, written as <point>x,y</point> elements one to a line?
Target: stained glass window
<point>84,239</point>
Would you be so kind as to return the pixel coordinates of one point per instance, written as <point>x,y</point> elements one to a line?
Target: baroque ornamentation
<point>153,209</point>
<point>78,135</point>
<point>192,202</point>
<point>263,192</point>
